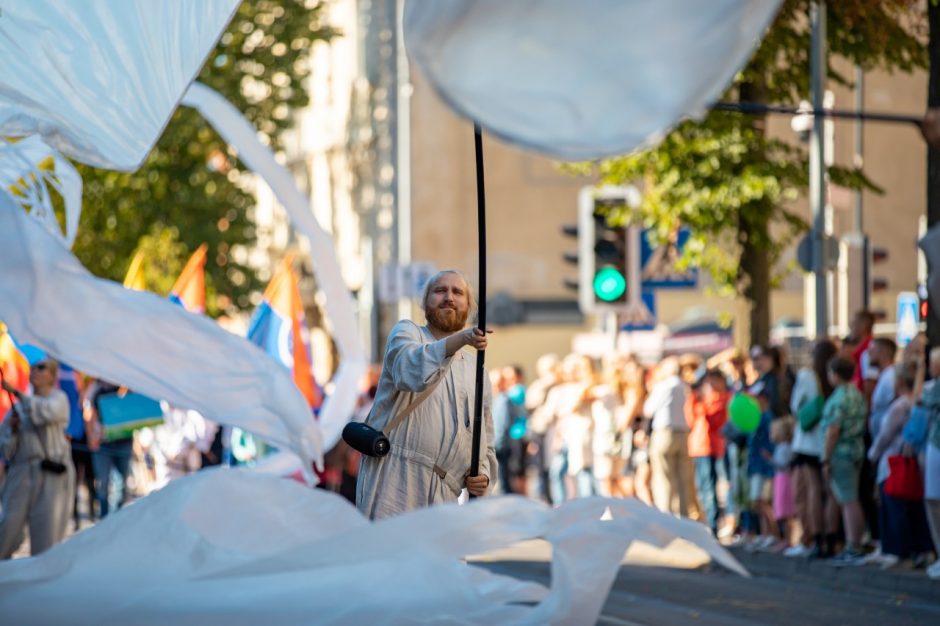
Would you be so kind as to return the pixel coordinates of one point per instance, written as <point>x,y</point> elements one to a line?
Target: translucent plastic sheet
<point>194,553</point>
<point>98,79</point>
<point>143,341</point>
<point>581,80</point>
<point>338,304</point>
<point>33,170</point>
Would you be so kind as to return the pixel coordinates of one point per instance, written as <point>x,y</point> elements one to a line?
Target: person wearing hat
<point>40,476</point>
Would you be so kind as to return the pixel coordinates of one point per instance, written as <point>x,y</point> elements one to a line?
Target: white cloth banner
<point>20,171</point>
<point>341,316</point>
<point>143,341</point>
<point>194,553</point>
<point>582,80</point>
<point>98,79</point>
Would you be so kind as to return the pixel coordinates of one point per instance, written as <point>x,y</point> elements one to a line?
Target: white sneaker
<point>934,570</point>
<point>799,550</point>
<point>887,561</point>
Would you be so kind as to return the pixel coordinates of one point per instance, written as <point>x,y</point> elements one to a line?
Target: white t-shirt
<point>881,398</point>
<point>805,389</point>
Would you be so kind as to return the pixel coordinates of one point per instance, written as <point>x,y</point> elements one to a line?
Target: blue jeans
<point>706,483</point>
<point>111,455</point>
<point>557,470</point>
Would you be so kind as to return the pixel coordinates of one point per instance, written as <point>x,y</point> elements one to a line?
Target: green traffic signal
<point>609,284</point>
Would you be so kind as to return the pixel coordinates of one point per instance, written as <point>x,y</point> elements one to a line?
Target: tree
<point>191,186</point>
<point>730,182</point>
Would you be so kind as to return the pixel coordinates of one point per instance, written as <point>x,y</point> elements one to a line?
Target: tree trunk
<point>933,154</point>
<point>755,266</point>
<point>755,258</point>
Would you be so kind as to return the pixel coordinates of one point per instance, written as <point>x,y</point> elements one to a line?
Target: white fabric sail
<point>98,79</point>
<point>143,341</point>
<point>582,80</point>
<point>194,553</point>
<point>22,172</point>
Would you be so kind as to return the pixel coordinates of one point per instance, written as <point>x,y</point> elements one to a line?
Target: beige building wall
<point>528,200</point>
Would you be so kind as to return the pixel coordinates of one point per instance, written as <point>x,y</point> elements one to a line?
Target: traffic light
<point>602,249</point>
<point>609,282</point>
<point>876,283</point>
<point>923,302</point>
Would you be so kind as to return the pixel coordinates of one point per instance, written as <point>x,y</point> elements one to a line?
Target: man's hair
<point>842,367</point>
<point>906,374</point>
<point>934,355</point>
<point>888,345</point>
<point>433,281</point>
<point>866,316</point>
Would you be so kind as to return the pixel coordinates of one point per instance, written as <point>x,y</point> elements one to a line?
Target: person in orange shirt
<point>706,412</point>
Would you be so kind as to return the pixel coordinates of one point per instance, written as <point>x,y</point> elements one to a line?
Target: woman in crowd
<point>810,393</point>
<point>904,532</point>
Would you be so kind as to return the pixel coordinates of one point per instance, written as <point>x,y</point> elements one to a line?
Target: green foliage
<point>725,178</point>
<point>192,183</point>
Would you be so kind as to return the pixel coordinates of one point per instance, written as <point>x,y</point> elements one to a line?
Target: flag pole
<point>481,317</point>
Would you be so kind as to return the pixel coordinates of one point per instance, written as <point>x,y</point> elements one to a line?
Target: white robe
<point>32,496</point>
<point>437,434</point>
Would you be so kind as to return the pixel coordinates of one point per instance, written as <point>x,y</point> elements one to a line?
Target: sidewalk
<point>904,583</point>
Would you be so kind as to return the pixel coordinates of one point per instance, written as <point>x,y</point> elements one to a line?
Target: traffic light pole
<point>817,169</point>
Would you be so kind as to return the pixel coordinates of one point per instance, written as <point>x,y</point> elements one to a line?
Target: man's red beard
<point>449,323</point>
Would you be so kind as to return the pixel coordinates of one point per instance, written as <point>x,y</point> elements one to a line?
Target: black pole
<point>756,108</point>
<point>481,355</point>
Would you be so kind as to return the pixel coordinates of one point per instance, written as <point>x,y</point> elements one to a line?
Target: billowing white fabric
<point>143,341</point>
<point>193,553</point>
<point>20,170</point>
<point>341,317</point>
<point>98,79</point>
<point>587,79</point>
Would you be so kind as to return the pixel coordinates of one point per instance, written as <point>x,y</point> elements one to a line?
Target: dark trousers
<point>904,530</point>
<point>706,483</point>
<point>84,475</point>
<point>867,490</point>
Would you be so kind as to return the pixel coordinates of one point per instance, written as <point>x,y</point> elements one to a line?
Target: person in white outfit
<point>40,475</point>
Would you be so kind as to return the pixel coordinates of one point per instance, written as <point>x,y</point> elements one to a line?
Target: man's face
<point>448,304</point>
<point>41,375</point>
<point>860,327</point>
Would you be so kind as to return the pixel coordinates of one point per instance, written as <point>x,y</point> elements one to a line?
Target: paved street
<point>782,591</point>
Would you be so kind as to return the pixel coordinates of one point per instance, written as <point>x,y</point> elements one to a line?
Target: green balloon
<point>744,412</point>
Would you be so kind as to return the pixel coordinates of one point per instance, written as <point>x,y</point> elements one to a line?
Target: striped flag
<point>278,327</point>
<point>189,291</point>
<point>134,279</point>
<point>15,368</point>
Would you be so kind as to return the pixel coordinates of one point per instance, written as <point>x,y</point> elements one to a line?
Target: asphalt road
<point>711,595</point>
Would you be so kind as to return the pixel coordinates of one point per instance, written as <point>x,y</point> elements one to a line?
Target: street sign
<point>641,318</point>
<point>659,263</point>
<point>908,317</point>
<point>397,282</point>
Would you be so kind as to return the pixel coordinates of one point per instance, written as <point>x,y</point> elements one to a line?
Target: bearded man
<point>429,460</point>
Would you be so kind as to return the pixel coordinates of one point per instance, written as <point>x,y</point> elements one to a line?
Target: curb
<point>857,579</point>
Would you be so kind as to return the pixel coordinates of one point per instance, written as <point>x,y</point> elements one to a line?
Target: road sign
<point>659,263</point>
<point>641,318</point>
<point>397,282</point>
<point>908,317</point>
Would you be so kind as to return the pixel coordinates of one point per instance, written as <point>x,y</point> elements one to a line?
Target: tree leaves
<point>192,187</point>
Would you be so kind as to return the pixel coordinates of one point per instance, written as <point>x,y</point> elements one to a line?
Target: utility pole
<point>858,162</point>
<point>933,154</point>
<point>817,169</point>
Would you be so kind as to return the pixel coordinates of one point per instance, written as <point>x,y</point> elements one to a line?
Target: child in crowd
<point>781,433</point>
<point>760,472</point>
<point>844,420</point>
